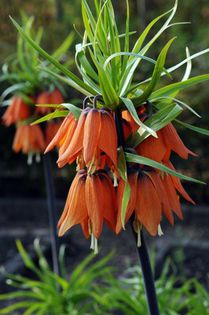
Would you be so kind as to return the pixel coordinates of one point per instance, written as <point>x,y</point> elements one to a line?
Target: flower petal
<point>148,206</point>
<point>75,211</point>
<point>152,148</point>
<point>159,186</point>
<point>61,133</point>
<point>76,143</point>
<point>109,201</point>
<point>108,136</point>
<point>177,184</point>
<point>174,142</point>
<point>173,197</point>
<point>91,135</point>
<point>95,203</point>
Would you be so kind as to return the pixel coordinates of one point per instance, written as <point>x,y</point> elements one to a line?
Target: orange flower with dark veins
<point>17,110</point>
<point>95,134</point>
<point>160,149</point>
<point>153,194</point>
<point>91,200</point>
<point>28,139</point>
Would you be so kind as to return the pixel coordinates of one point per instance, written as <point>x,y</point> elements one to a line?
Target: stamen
<point>38,157</point>
<point>137,228</point>
<point>115,180</point>
<point>160,232</point>
<point>139,241</point>
<point>30,158</point>
<point>94,244</point>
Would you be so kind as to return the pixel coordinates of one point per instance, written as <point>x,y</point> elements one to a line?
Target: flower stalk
<point>142,251</point>
<point>52,213</point>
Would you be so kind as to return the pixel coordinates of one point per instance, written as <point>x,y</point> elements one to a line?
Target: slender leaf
<point>73,78</point>
<point>169,89</point>
<point>76,111</point>
<point>125,201</point>
<point>133,158</point>
<point>193,128</point>
<point>156,74</point>
<point>55,114</point>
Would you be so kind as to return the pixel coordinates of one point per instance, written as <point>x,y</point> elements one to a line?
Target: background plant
<point>174,298</point>
<point>193,34</point>
<point>21,70</point>
<point>44,292</point>
<point>93,289</point>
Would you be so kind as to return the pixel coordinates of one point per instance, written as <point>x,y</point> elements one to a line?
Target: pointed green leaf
<point>126,79</point>
<point>169,89</point>
<point>133,158</point>
<point>73,78</point>
<point>125,201</point>
<point>64,46</point>
<point>122,169</point>
<point>76,111</point>
<point>156,74</point>
<point>55,114</point>
<point>194,128</point>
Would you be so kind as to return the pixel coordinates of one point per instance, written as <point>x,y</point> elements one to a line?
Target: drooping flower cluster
<point>92,142</point>
<point>32,139</point>
<point>96,193</point>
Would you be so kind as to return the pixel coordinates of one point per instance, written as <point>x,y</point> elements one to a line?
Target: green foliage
<point>133,158</point>
<point>77,294</point>
<point>127,294</point>
<point>108,65</point>
<point>23,70</point>
<point>106,62</point>
<point>91,289</point>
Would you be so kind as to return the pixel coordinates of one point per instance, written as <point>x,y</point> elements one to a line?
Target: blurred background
<point>23,211</point>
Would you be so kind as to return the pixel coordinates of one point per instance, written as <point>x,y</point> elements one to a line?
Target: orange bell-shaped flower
<point>75,211</point>
<point>43,98</point>
<point>152,195</point>
<point>95,133</point>
<point>64,134</point>
<point>28,139</point>
<point>91,200</point>
<point>160,149</point>
<point>54,97</point>
<point>18,110</point>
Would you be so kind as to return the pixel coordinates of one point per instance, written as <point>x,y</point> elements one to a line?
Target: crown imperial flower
<point>91,200</point>
<point>93,134</point>
<point>17,111</point>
